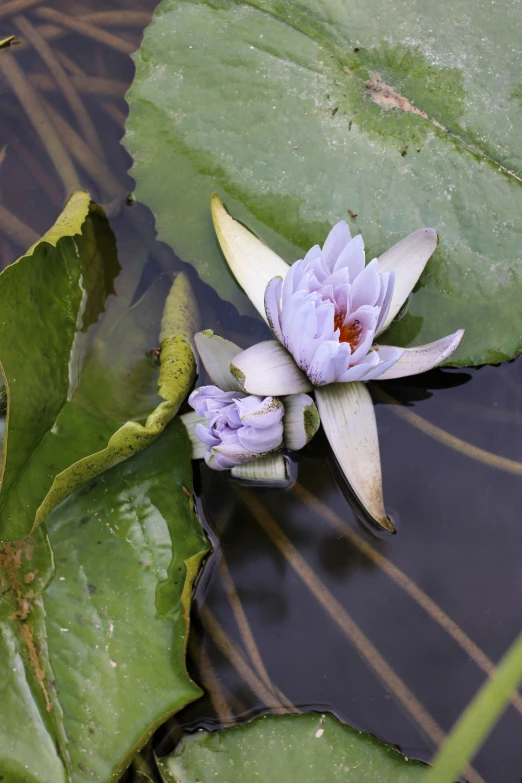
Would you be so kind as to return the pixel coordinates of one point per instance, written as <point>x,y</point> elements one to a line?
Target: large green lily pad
<point>288,749</point>
<point>303,112</point>
<point>84,391</point>
<point>94,660</point>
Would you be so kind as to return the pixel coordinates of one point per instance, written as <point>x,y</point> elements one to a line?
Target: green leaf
<point>304,112</point>
<point>289,748</point>
<point>94,660</point>
<point>84,391</point>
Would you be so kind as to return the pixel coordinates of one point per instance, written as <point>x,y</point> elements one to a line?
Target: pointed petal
<point>268,369</point>
<point>408,257</point>
<point>273,305</point>
<point>253,264</point>
<point>261,413</point>
<point>216,355</point>
<point>191,420</point>
<point>424,357</point>
<point>269,470</point>
<point>388,283</point>
<point>301,421</point>
<point>338,237</point>
<point>387,355</point>
<point>348,419</point>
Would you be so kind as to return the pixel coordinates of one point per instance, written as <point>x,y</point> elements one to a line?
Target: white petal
<point>348,419</point>
<point>268,369</point>
<point>264,413</point>
<point>273,305</point>
<point>424,357</point>
<point>253,264</point>
<point>269,470</point>
<point>191,420</point>
<point>216,355</point>
<point>408,257</point>
<point>387,355</point>
<point>301,421</point>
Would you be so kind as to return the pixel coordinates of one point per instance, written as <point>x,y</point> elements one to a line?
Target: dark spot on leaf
<point>356,49</point>
<point>84,520</point>
<point>404,153</point>
<point>93,590</point>
<point>352,215</point>
<point>334,111</point>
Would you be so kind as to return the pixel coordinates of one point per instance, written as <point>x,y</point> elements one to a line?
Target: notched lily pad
<point>83,391</point>
<point>289,748</point>
<point>94,660</point>
<point>299,114</point>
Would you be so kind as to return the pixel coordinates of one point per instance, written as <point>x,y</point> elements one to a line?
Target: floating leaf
<point>303,113</point>
<point>287,749</point>
<point>95,660</point>
<point>84,389</point>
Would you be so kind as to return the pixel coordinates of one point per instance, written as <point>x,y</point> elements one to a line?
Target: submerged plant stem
<point>405,583</point>
<point>244,628</point>
<point>87,29</point>
<point>15,6</point>
<point>18,231</point>
<point>351,630</point>
<point>62,80</point>
<point>211,681</point>
<point>462,446</point>
<point>229,649</point>
<point>37,115</point>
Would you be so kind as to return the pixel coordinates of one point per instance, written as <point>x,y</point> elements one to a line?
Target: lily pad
<point>303,113</point>
<point>84,390</point>
<point>288,748</point>
<point>95,659</point>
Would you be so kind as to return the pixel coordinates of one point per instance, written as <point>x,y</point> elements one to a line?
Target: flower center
<point>350,333</point>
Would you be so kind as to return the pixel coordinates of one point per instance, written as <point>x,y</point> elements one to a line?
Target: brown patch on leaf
<point>11,557</point>
<point>387,97</point>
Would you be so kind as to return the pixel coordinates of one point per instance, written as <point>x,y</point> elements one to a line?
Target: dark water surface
<point>302,606</point>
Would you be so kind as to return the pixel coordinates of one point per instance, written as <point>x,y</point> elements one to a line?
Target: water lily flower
<point>239,427</point>
<point>231,429</point>
<point>326,311</point>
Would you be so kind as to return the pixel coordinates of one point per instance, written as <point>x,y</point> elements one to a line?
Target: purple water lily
<point>328,309</point>
<point>238,428</point>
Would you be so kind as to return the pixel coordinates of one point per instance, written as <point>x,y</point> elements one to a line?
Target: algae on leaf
<point>288,748</point>
<point>95,659</point>
<point>83,389</point>
<point>306,112</point>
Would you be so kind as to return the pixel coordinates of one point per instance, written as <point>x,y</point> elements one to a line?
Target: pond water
<point>301,605</point>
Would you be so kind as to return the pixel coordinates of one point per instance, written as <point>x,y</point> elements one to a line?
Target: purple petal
<point>366,286</point>
<point>388,356</point>
<point>352,257</point>
<point>322,369</point>
<point>261,441</point>
<point>205,436</point>
<point>338,237</point>
<point>260,413</point>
